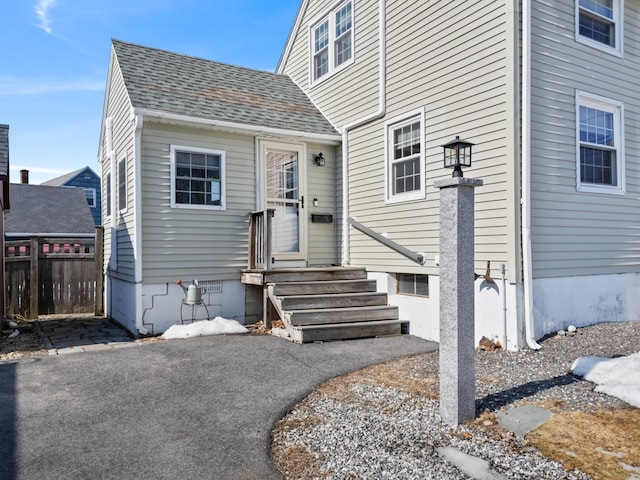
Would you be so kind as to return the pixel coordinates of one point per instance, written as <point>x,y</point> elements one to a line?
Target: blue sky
<point>55,55</point>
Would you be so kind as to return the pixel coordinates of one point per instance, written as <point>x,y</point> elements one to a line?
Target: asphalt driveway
<point>201,408</point>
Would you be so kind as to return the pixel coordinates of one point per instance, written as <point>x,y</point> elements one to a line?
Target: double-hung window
<point>332,41</point>
<point>90,194</point>
<point>599,24</point>
<point>600,152</point>
<point>197,178</point>
<point>404,158</point>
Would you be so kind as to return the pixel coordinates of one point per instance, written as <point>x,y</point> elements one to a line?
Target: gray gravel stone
<point>383,432</point>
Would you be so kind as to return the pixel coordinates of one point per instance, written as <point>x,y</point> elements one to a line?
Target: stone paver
<point>71,334</point>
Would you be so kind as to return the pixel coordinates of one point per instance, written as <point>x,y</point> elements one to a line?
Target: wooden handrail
<point>260,254</point>
<point>416,257</point>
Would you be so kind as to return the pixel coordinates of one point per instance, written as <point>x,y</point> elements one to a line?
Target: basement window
<point>412,284</point>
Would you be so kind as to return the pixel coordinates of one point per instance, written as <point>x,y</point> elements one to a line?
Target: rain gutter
<point>382,108</point>
<point>526,177</point>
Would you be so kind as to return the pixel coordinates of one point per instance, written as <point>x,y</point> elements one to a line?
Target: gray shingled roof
<point>43,210</point>
<point>4,149</point>
<point>179,84</point>
<point>63,179</point>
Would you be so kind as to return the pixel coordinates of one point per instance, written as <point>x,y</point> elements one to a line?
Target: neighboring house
<point>89,181</point>
<point>4,207</point>
<point>546,92</point>
<point>45,211</point>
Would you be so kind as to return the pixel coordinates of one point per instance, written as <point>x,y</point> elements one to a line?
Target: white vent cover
<point>211,286</point>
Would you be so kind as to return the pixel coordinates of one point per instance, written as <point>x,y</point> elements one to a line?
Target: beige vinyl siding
<point>358,82</point>
<point>577,233</point>
<point>464,80</point>
<point>183,243</point>
<point>118,108</point>
<point>321,237</point>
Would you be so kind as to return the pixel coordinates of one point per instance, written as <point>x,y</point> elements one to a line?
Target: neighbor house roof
<point>163,81</point>
<point>64,179</point>
<point>41,210</point>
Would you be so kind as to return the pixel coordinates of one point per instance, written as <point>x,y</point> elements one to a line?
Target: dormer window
<point>332,42</point>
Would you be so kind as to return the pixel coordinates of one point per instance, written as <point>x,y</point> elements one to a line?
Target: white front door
<point>284,191</point>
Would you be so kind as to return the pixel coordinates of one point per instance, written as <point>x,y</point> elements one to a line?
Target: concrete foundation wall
<point>162,305</point>
<point>121,302</point>
<point>490,302</point>
<point>585,300</point>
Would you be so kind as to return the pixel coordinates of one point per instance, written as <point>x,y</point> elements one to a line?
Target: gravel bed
<point>358,429</point>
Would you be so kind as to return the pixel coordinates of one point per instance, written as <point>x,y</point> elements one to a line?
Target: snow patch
<point>217,326</point>
<point>617,377</point>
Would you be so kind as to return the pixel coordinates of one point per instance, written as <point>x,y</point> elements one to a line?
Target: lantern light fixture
<point>457,154</point>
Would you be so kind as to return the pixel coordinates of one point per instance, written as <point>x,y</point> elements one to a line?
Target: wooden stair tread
<point>324,326</point>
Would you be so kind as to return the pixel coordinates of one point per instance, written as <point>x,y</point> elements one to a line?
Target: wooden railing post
<point>260,252</point>
<point>268,253</point>
<point>34,280</point>
<point>99,253</point>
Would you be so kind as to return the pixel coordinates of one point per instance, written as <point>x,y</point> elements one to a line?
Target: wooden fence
<point>54,275</point>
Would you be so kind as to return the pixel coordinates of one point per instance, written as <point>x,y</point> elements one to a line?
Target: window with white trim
<point>332,41</point>
<point>197,178</point>
<point>599,24</point>
<point>90,194</point>
<point>600,154</point>
<point>404,158</point>
<point>122,184</point>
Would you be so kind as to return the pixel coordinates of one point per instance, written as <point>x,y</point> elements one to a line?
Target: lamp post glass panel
<point>457,154</point>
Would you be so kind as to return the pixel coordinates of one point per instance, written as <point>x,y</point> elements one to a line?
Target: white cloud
<point>42,12</point>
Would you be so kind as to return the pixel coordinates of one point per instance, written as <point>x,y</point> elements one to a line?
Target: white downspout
<point>138,121</point>
<point>111,156</point>
<point>382,107</point>
<point>526,172</point>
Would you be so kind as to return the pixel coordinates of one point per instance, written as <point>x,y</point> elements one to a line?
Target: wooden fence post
<point>34,280</point>
<point>99,250</point>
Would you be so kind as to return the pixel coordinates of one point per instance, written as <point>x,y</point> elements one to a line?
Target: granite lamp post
<point>457,336</point>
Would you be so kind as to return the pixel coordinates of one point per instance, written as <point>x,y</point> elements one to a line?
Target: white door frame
<point>288,259</point>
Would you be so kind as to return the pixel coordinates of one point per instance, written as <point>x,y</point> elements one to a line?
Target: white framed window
<point>197,178</point>
<point>599,144</point>
<point>332,41</point>
<point>599,24</point>
<point>122,184</point>
<point>404,158</point>
<point>90,194</point>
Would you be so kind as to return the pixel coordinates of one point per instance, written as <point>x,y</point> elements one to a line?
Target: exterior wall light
<point>457,154</point>
<point>319,160</point>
